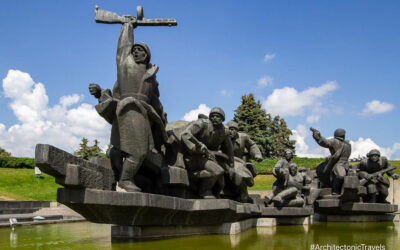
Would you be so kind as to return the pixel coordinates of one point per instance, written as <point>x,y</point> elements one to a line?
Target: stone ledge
<point>156,232</point>
<point>327,206</point>
<point>144,209</point>
<point>286,211</point>
<point>355,218</point>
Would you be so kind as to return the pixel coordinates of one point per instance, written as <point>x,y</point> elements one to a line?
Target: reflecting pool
<point>85,235</point>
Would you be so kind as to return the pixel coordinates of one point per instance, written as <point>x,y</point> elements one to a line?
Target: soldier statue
<point>290,193</point>
<point>243,173</point>
<point>203,139</point>
<point>369,172</point>
<point>133,107</point>
<point>281,173</point>
<point>331,173</point>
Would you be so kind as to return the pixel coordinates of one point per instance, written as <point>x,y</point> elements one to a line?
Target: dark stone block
<point>286,211</point>
<point>72,171</point>
<point>143,209</point>
<point>349,208</point>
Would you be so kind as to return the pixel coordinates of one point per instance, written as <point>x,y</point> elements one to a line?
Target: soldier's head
<point>217,116</point>
<point>340,134</point>
<point>141,53</point>
<point>293,169</point>
<point>288,154</point>
<point>233,128</point>
<point>374,155</point>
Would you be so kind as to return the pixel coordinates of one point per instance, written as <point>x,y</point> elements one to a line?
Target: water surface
<point>85,235</point>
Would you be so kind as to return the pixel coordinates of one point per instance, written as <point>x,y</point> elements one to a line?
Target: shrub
<point>17,162</point>
<point>266,166</point>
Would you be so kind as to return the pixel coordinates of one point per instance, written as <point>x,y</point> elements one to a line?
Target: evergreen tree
<point>4,153</point>
<point>271,135</point>
<point>86,152</point>
<point>253,120</point>
<point>281,137</point>
<point>83,151</point>
<point>95,150</point>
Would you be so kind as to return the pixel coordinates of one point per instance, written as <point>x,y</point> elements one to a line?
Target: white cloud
<point>362,146</point>
<point>302,149</point>
<point>376,107</point>
<point>59,125</point>
<point>264,81</point>
<point>288,101</point>
<point>70,100</point>
<point>225,92</point>
<point>313,118</point>
<point>192,114</point>
<point>269,57</point>
<point>299,134</point>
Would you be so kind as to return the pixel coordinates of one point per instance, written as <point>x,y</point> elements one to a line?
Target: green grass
<point>266,166</point>
<point>22,184</point>
<point>263,182</point>
<point>397,164</point>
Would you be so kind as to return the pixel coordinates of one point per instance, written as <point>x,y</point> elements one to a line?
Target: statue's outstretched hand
<point>395,176</point>
<point>316,133</point>
<point>95,90</point>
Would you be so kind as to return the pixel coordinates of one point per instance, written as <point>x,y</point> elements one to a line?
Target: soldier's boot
<point>129,170</point>
<point>205,187</point>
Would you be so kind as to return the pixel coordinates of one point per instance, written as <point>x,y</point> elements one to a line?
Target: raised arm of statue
<point>323,142</point>
<point>125,41</point>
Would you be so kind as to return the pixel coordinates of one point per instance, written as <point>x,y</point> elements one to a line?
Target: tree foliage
<point>270,134</point>
<point>86,152</point>
<point>4,153</point>
<point>16,162</point>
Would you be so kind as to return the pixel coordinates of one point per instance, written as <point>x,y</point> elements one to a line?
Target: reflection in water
<point>95,236</point>
<point>13,238</point>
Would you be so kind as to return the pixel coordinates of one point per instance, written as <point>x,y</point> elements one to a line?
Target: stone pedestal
<point>355,218</point>
<point>156,232</point>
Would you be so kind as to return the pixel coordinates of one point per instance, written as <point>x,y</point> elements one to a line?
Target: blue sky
<point>326,64</point>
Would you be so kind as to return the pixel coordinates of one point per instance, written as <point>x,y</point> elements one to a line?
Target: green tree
<point>4,153</point>
<point>255,122</point>
<point>271,134</point>
<point>86,152</point>
<point>281,137</point>
<point>83,151</point>
<point>95,150</point>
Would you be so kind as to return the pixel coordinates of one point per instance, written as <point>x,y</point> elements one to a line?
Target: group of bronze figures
<point>215,156</point>
<point>293,186</point>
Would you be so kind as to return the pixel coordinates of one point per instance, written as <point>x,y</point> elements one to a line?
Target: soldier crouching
<point>377,185</point>
<point>202,139</point>
<point>287,189</point>
<point>243,173</point>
